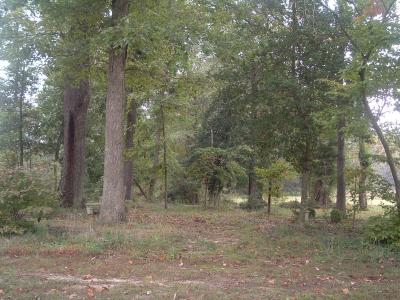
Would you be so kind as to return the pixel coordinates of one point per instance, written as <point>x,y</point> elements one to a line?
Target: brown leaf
<point>90,291</point>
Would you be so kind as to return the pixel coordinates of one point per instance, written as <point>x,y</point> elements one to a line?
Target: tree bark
<point>156,164</point>
<point>57,157</point>
<point>381,136</point>
<point>269,197</point>
<point>130,131</point>
<point>21,130</point>
<point>164,159</point>
<point>112,209</point>
<point>305,179</point>
<point>254,190</point>
<point>76,103</point>
<point>362,195</point>
<point>340,166</point>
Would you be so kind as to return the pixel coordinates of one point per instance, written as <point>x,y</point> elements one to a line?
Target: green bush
<point>383,230</point>
<point>336,216</point>
<point>312,213</point>
<point>24,197</point>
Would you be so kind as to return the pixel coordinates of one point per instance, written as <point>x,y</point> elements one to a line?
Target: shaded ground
<point>186,253</point>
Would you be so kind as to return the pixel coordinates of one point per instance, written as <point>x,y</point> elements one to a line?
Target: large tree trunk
<point>112,207</point>
<point>378,130</point>
<point>130,131</point>
<point>76,102</point>
<point>362,195</point>
<point>254,190</point>
<point>340,166</point>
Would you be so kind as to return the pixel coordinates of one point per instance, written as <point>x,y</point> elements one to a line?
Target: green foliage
<point>213,163</point>
<point>336,216</point>
<point>23,197</point>
<point>384,230</point>
<point>275,175</point>
<point>312,213</point>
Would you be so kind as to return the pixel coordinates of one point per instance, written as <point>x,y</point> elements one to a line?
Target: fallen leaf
<point>90,292</point>
<point>131,262</point>
<point>346,291</point>
<point>87,277</point>
<point>271,281</point>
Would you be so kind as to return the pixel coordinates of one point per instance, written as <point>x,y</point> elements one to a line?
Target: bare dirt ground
<point>188,253</point>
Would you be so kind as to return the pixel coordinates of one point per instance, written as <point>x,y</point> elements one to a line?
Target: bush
<point>336,216</point>
<point>23,197</point>
<point>383,230</point>
<point>312,213</point>
<point>290,204</point>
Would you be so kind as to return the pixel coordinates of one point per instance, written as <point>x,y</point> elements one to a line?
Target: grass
<point>189,253</point>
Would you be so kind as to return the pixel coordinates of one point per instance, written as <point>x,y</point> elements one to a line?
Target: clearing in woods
<point>186,253</point>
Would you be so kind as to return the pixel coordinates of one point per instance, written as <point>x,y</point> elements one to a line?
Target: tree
<point>130,131</point>
<point>112,203</point>
<point>19,51</point>
<point>274,176</point>
<point>373,36</point>
<point>67,44</point>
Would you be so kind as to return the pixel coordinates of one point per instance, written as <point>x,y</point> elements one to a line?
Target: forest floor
<point>189,253</point>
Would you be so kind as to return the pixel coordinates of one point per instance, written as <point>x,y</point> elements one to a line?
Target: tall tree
<point>18,49</point>
<point>67,44</point>
<point>130,131</point>
<point>373,36</point>
<point>112,207</point>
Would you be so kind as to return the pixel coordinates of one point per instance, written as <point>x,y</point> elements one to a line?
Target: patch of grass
<point>226,254</point>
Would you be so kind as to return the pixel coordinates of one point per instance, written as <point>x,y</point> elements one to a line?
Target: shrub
<point>23,197</point>
<point>312,213</point>
<point>290,204</point>
<point>383,230</point>
<point>336,216</point>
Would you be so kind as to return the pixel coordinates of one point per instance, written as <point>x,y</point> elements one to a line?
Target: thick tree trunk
<point>254,192</point>
<point>340,166</point>
<point>76,102</point>
<point>362,194</point>
<point>378,130</point>
<point>112,209</point>
<point>128,165</point>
